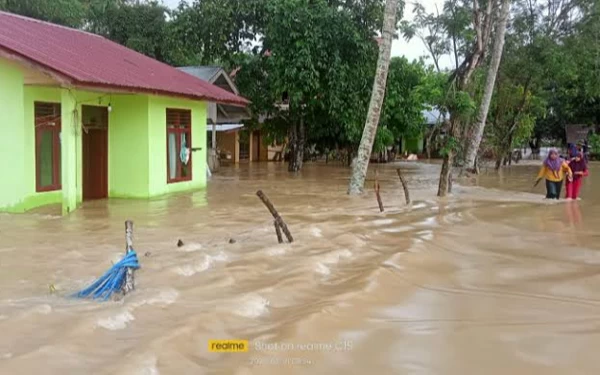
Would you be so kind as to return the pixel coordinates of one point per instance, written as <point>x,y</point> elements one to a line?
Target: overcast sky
<point>411,50</point>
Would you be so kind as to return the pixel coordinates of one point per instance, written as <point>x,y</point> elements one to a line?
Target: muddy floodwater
<point>492,280</point>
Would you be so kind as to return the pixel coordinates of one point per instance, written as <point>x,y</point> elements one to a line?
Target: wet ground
<point>493,280</point>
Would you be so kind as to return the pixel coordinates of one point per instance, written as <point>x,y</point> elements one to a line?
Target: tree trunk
<point>359,170</point>
<point>477,132</point>
<point>445,184</point>
<point>297,136</point>
<point>498,162</point>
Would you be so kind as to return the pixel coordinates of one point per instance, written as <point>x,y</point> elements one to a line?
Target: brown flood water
<point>492,280</point>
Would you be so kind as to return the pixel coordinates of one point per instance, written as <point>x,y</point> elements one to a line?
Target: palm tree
<point>475,139</point>
<point>359,170</point>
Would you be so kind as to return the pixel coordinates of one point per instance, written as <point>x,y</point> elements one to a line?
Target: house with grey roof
<point>224,121</point>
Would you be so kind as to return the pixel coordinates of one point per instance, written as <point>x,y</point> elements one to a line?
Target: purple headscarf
<point>556,164</point>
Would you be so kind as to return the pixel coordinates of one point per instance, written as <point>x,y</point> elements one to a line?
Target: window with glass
<point>47,146</point>
<point>179,145</point>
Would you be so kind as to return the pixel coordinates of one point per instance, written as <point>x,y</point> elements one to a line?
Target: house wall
<point>127,160</point>
<point>128,145</point>
<point>12,144</point>
<point>412,145</point>
<point>136,147</point>
<point>227,141</point>
<point>157,148</point>
<point>264,149</point>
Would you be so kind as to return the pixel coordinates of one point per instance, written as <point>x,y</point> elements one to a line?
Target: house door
<point>255,146</point>
<point>95,152</point>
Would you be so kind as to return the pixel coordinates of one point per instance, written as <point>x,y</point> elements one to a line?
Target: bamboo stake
<point>276,215</point>
<point>377,195</point>
<point>404,186</point>
<point>129,277</point>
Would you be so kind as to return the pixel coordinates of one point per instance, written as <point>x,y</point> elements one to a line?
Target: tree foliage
<point>63,12</point>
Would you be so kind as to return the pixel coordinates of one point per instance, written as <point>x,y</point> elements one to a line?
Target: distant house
<point>416,145</point>
<point>224,121</point>
<point>85,118</point>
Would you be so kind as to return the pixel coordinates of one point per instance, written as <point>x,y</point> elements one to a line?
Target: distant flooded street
<point>492,280</point>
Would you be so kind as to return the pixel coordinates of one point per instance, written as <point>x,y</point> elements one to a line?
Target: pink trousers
<point>573,188</point>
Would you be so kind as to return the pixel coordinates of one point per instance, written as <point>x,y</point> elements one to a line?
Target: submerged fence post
<point>404,186</point>
<point>278,231</point>
<point>377,195</point>
<point>129,284</point>
<point>278,220</point>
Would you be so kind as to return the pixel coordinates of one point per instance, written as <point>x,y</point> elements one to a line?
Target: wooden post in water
<point>129,279</point>
<point>279,221</point>
<point>377,195</point>
<point>404,186</point>
<point>450,182</point>
<point>278,232</point>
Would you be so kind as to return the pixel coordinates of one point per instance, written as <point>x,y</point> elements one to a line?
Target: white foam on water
<point>322,269</point>
<point>116,322</point>
<point>316,232</point>
<point>202,265</point>
<point>335,256</point>
<point>148,367</point>
<point>277,250</point>
<point>162,298</point>
<point>165,297</point>
<point>253,306</point>
<point>190,247</point>
<point>383,221</point>
<point>400,229</point>
<point>41,309</point>
<point>6,356</point>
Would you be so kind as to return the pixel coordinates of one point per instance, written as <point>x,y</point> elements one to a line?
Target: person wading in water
<point>579,169</point>
<point>554,170</point>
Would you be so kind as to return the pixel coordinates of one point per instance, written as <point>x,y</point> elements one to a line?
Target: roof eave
<point>242,103</point>
<point>58,76</point>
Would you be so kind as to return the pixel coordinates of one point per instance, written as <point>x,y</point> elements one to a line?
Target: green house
<point>84,118</point>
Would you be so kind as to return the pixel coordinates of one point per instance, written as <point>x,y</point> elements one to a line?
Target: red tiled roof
<point>91,60</point>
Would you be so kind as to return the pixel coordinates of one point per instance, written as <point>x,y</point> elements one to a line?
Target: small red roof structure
<point>88,60</point>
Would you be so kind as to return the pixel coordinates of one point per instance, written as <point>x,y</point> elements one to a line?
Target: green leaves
<point>64,12</point>
<point>323,55</point>
<point>411,89</point>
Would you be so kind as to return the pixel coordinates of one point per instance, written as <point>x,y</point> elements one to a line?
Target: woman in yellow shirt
<point>554,170</point>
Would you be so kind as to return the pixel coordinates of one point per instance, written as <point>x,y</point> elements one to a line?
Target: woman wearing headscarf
<point>579,169</point>
<point>554,170</point>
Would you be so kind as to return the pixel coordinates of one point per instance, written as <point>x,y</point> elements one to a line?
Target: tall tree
<point>63,12</point>
<point>460,104</point>
<point>474,140</point>
<point>359,170</point>
<point>319,57</point>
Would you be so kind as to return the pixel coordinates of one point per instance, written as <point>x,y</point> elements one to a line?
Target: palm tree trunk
<point>359,171</point>
<point>477,133</point>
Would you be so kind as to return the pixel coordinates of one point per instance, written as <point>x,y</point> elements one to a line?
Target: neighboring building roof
<point>218,77</point>
<point>206,73</point>
<point>225,127</point>
<point>86,59</point>
<point>213,74</point>
<point>433,116</point>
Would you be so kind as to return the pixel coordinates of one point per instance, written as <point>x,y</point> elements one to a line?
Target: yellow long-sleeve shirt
<point>555,176</point>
